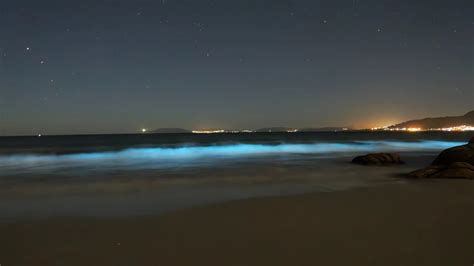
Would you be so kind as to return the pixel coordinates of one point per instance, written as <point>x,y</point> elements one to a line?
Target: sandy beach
<point>425,222</point>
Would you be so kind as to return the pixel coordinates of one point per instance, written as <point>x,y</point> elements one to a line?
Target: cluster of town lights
<point>416,129</point>
<point>234,131</point>
<point>386,128</point>
<point>208,131</point>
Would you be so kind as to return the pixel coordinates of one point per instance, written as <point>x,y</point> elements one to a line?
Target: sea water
<point>148,174</point>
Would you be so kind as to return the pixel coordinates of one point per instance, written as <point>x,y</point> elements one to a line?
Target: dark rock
<point>455,162</point>
<point>463,153</point>
<point>465,173</point>
<point>427,172</point>
<point>378,159</point>
<point>462,165</point>
<point>454,170</point>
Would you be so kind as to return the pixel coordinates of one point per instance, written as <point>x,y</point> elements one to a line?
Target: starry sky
<point>115,66</point>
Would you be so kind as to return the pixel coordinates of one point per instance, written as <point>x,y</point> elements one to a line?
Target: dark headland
<point>439,122</point>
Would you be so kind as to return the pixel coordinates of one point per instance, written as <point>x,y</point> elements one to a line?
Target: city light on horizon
<point>460,128</point>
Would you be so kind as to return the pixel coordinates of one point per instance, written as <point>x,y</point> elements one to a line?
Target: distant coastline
<point>463,123</point>
<point>448,123</point>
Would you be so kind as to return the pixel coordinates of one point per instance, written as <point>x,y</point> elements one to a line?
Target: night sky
<point>112,66</point>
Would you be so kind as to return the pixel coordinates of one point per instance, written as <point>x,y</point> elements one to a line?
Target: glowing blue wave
<point>165,156</point>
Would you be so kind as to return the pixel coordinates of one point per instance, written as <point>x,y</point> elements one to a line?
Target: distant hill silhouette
<point>273,129</point>
<point>439,122</point>
<point>323,129</point>
<point>170,131</point>
<point>286,129</point>
<point>266,129</point>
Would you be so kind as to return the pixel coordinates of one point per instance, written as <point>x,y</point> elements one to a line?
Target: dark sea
<point>110,175</point>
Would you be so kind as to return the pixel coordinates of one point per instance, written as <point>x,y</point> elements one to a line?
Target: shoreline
<point>426,222</point>
<point>148,192</point>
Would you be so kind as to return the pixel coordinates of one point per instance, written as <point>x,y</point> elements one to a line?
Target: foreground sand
<point>420,223</point>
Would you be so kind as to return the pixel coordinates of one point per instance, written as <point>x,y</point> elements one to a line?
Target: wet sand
<point>427,222</point>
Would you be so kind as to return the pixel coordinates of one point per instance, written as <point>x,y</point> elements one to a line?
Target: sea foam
<point>157,157</point>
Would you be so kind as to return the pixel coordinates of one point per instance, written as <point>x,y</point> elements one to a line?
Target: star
<point>28,48</point>
<point>199,26</point>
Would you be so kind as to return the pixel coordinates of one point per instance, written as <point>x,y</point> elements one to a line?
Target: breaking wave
<point>161,157</point>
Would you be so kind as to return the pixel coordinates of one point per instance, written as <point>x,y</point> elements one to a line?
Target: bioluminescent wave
<point>162,157</point>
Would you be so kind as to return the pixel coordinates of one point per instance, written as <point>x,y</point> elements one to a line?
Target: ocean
<point>110,175</point>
